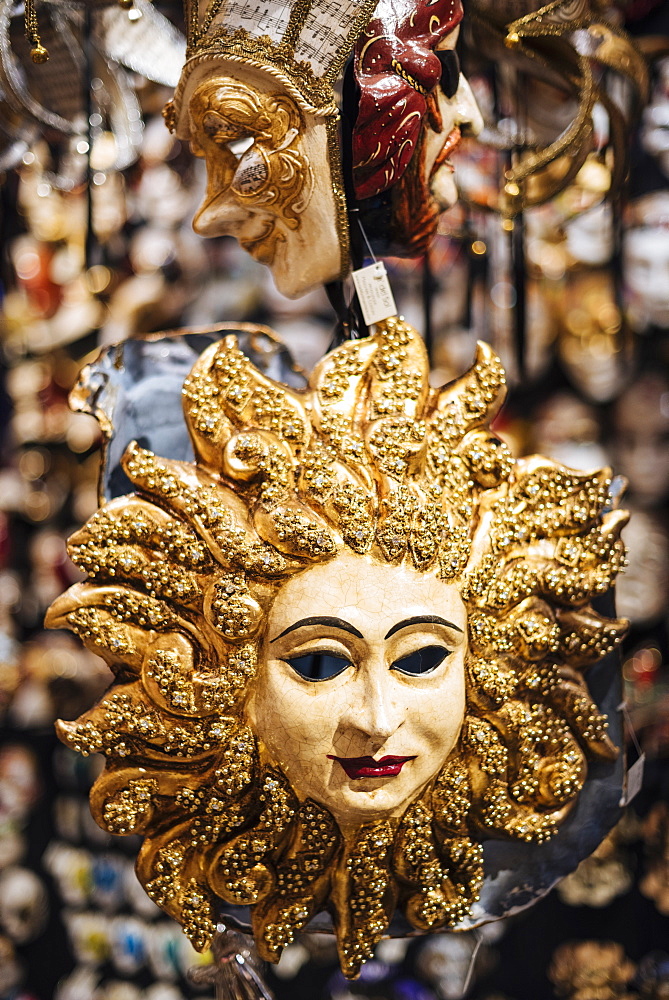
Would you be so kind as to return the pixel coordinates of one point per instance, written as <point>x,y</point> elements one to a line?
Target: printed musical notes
<point>317,32</point>
<point>267,18</point>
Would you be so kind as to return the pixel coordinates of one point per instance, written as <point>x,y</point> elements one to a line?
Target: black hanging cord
<point>350,324</point>
<point>618,204</point>
<point>467,240</point>
<point>517,236</point>
<point>349,114</point>
<point>344,330</point>
<point>516,230</point>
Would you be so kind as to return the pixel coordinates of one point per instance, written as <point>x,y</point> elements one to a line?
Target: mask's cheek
<point>265,702</point>
<point>220,162</point>
<point>295,722</point>
<point>442,715</point>
<point>432,144</point>
<point>273,709</point>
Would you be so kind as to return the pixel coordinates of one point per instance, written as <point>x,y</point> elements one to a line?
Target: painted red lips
<point>367,767</point>
<point>451,144</point>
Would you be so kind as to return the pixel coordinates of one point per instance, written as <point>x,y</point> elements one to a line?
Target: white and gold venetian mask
<point>256,101</point>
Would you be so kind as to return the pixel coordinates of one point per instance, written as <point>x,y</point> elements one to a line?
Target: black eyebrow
<point>421,620</point>
<point>321,620</point>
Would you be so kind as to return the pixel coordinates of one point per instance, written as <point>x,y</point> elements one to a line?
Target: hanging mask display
<point>654,134</point>
<point>593,343</point>
<point>640,419</point>
<point>42,70</point>
<point>256,101</point>
<point>349,642</point>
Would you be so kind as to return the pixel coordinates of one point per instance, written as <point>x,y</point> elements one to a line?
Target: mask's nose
<point>219,215</point>
<point>469,117</point>
<point>374,712</point>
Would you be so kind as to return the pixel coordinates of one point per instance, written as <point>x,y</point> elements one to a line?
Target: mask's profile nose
<point>218,216</point>
<point>469,116</point>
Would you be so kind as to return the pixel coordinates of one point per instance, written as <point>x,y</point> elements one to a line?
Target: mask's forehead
<point>411,29</point>
<point>315,31</point>
<point>302,46</point>
<point>371,596</point>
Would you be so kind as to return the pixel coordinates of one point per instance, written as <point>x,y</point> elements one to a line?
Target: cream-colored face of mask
<point>269,182</point>
<point>361,695</point>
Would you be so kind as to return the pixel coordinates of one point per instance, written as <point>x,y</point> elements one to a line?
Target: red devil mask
<point>396,68</point>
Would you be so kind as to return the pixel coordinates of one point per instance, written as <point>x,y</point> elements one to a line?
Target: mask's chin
<point>443,188</point>
<point>353,807</point>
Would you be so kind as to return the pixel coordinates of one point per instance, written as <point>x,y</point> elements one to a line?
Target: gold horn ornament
<point>563,43</point>
<point>365,491</point>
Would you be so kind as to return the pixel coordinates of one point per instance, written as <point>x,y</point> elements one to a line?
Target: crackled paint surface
<point>370,709</point>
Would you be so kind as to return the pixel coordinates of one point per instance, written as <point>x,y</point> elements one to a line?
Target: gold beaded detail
<point>241,872</point>
<point>439,900</point>
<point>130,809</point>
<point>302,881</point>
<point>451,797</point>
<point>371,894</point>
<point>38,53</point>
<point>178,894</point>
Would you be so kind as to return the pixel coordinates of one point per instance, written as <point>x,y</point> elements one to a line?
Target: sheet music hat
<point>302,45</point>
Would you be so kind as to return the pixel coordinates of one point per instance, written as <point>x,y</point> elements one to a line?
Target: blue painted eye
<point>318,666</point>
<point>422,661</point>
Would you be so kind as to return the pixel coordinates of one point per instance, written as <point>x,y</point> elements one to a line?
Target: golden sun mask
<point>349,644</point>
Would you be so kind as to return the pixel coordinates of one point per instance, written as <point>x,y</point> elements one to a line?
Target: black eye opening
<point>318,666</point>
<point>421,661</point>
<point>450,71</point>
<point>240,145</point>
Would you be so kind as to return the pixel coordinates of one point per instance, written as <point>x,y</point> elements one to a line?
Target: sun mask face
<point>349,642</point>
<point>361,693</point>
<point>268,179</point>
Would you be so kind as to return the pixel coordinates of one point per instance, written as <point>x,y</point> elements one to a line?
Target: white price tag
<point>376,297</point>
<point>633,781</point>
